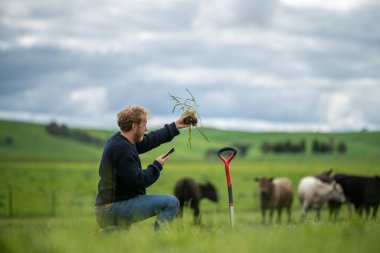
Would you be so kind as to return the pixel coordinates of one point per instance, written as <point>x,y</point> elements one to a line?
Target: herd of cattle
<point>276,194</point>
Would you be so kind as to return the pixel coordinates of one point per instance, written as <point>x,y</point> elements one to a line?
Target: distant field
<point>52,184</point>
<point>33,143</point>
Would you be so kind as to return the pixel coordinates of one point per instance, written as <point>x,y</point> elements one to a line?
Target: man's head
<point>133,119</point>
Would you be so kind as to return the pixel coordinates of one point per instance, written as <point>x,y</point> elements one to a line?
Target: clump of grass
<point>189,108</point>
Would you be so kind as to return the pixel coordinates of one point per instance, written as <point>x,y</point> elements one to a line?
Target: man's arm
<point>130,174</point>
<point>160,136</point>
<point>157,137</point>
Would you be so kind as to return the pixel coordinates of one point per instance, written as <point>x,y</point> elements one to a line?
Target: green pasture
<point>64,188</point>
<point>79,234</point>
<point>48,186</point>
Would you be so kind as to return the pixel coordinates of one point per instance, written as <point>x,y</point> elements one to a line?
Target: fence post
<point>53,202</point>
<point>10,200</point>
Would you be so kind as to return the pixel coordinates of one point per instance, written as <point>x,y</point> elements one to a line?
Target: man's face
<point>140,130</point>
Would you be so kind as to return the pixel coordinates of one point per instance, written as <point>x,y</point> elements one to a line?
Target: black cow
<point>190,193</point>
<point>361,191</point>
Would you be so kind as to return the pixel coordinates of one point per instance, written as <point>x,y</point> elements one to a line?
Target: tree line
<point>287,147</point>
<point>317,147</point>
<point>63,131</point>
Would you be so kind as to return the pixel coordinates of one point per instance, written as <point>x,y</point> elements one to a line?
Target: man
<point>122,198</point>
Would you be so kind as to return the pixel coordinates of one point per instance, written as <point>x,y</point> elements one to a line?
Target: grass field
<point>52,184</point>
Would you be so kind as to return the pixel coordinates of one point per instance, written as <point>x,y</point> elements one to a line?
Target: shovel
<point>228,176</point>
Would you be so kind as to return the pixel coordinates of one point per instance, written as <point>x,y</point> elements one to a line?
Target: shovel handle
<point>233,149</point>
<point>227,166</point>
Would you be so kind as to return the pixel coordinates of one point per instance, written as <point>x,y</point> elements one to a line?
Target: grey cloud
<point>345,45</point>
<point>103,18</point>
<point>366,100</point>
<point>255,12</point>
<point>282,105</point>
<point>257,60</point>
<point>232,14</point>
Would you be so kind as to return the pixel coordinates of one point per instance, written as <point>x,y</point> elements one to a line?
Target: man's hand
<point>161,159</point>
<point>180,124</point>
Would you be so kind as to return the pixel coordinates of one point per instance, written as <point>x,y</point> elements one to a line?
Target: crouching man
<point>122,198</point>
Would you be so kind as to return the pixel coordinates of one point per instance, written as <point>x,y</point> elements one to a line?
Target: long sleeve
<point>156,138</point>
<point>120,171</point>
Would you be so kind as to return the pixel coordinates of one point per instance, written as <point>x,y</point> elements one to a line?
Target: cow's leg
<point>271,210</point>
<point>263,215</point>
<point>367,211</point>
<point>197,215</point>
<point>337,210</point>
<point>330,215</point>
<point>331,211</point>
<point>359,210</point>
<point>279,211</point>
<point>289,211</point>
<point>335,214</point>
<point>375,207</point>
<point>349,206</point>
<point>305,207</point>
<point>180,211</point>
<point>318,213</point>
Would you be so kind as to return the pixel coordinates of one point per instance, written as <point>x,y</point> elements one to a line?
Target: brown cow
<point>325,176</point>
<point>275,194</point>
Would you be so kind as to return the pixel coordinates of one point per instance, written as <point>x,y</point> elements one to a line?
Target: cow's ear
<point>256,179</point>
<point>271,179</point>
<point>330,171</point>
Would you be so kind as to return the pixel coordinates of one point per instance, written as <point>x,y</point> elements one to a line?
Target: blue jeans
<point>125,213</point>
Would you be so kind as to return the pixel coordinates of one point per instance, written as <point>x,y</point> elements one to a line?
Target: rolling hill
<point>31,142</point>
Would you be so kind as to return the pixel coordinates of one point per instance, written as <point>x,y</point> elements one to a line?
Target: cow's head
<point>325,176</point>
<point>209,191</point>
<point>337,193</point>
<point>266,187</point>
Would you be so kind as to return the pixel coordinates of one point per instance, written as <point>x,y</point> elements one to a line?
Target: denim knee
<point>174,203</point>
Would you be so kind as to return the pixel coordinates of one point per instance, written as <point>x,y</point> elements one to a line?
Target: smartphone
<point>169,152</point>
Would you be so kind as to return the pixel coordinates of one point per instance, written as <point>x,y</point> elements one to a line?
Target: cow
<point>313,193</point>
<point>190,193</point>
<point>325,176</point>
<point>361,191</point>
<point>275,194</point>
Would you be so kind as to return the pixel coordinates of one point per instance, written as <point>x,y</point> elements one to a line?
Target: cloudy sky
<point>257,65</point>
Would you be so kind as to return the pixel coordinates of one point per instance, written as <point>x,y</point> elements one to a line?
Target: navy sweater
<point>120,171</point>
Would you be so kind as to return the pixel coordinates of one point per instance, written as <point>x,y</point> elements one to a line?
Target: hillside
<point>31,142</point>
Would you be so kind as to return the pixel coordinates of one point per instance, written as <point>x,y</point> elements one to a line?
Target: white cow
<point>314,193</point>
